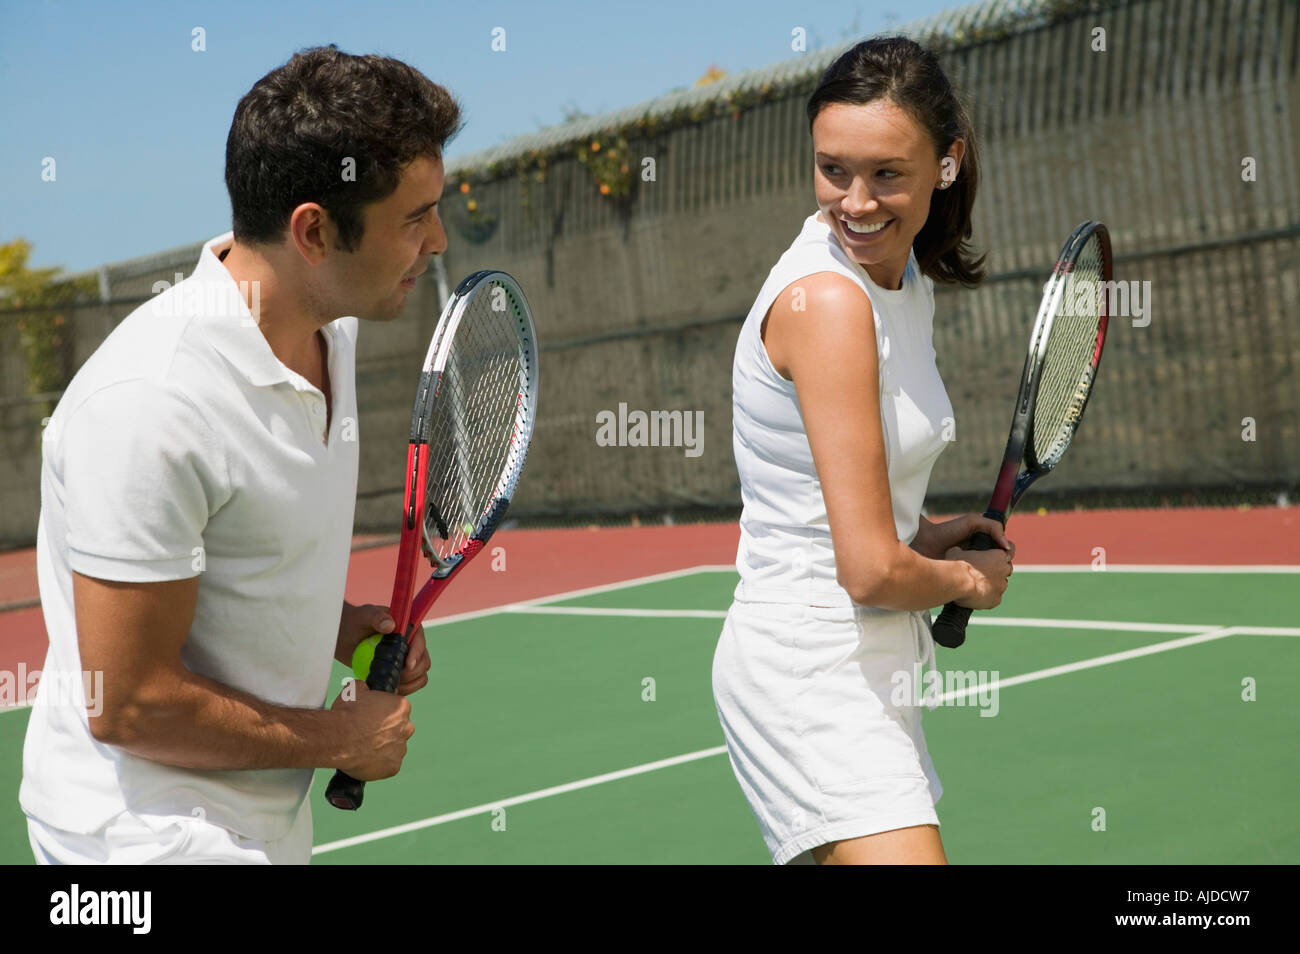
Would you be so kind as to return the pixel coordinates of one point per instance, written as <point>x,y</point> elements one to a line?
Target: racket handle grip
<point>949,629</point>
<point>344,791</point>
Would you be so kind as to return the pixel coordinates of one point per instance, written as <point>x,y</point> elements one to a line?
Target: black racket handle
<point>344,791</point>
<point>950,628</point>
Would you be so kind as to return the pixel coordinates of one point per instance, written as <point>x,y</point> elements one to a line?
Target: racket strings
<point>474,419</point>
<point>1067,372</point>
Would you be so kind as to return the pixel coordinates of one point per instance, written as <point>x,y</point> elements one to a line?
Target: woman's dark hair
<point>909,76</point>
<point>295,131</point>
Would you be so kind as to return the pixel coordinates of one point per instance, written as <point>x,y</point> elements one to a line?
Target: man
<point>198,488</point>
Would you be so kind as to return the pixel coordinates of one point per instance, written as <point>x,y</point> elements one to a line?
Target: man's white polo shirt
<point>184,448</point>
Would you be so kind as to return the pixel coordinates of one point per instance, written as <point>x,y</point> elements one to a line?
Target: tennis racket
<point>470,430</point>
<point>1060,371</point>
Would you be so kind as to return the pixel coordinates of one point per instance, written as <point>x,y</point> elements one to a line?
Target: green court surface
<point>571,732</point>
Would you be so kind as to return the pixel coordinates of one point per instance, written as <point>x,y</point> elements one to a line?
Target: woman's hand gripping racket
<point>1060,370</point>
<point>470,430</point>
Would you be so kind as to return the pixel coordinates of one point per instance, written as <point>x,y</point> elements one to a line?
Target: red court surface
<point>541,563</point>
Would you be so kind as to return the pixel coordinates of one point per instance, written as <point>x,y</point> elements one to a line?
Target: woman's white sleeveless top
<point>785,553</point>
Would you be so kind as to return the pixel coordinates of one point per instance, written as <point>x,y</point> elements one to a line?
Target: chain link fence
<point>1181,135</point>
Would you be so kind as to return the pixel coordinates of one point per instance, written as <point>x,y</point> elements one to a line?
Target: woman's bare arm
<point>827,348</point>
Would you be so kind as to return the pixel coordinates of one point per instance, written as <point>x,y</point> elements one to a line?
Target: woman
<point>839,416</point>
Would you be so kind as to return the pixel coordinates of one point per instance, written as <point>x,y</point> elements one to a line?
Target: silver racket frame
<point>1047,311</point>
<point>435,363</point>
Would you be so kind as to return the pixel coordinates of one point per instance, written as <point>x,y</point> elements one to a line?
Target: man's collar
<point>227,322</point>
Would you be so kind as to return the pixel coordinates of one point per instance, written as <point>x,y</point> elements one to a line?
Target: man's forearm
<point>189,721</point>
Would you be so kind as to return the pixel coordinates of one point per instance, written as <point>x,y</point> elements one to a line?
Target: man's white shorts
<point>169,840</point>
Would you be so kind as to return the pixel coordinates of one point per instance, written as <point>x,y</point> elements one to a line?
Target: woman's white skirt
<point>821,709</point>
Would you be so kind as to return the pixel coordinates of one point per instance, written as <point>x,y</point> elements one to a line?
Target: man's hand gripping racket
<point>470,430</point>
<point>1060,370</point>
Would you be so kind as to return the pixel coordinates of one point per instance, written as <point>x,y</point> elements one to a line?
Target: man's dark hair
<point>295,130</point>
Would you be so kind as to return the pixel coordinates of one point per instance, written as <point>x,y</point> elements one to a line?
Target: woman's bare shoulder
<point>822,310</point>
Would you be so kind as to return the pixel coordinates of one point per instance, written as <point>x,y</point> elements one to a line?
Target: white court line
<point>519,799</point>
<point>611,611</point>
<point>634,581</point>
<point>1110,568</point>
<point>1156,568</point>
<point>525,604</point>
<point>1205,637</point>
<point>1097,624</point>
<point>980,620</point>
<point>1267,630</point>
<point>1200,637</point>
<point>574,594</point>
<point>975,620</point>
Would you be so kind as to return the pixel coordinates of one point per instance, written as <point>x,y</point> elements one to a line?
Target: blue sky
<point>136,120</point>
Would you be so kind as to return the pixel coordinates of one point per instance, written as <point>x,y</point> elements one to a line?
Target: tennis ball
<point>468,528</point>
<point>364,655</point>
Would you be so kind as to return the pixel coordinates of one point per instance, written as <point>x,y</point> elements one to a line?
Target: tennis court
<point>541,740</point>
